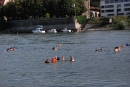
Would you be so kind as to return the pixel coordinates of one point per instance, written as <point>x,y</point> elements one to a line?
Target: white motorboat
<point>66,30</point>
<point>39,29</point>
<point>52,31</point>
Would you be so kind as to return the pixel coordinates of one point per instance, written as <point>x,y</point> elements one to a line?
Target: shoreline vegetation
<point>107,23</point>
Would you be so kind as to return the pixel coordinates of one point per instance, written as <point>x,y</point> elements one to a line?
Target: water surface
<point>25,67</point>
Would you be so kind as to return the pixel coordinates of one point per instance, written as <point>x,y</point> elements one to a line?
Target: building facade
<point>110,8</point>
<point>94,11</point>
<point>87,5</point>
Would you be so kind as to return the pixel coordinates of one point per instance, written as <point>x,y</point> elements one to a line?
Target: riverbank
<point>31,24</point>
<point>98,27</point>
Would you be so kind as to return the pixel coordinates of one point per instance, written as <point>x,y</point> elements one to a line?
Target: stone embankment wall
<point>57,23</point>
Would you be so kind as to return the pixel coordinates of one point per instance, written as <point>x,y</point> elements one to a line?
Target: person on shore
<point>72,59</point>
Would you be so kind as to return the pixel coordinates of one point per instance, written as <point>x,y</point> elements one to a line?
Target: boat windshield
<point>39,26</point>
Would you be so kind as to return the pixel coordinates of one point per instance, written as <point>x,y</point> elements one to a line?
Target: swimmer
<point>58,45</point>
<point>122,45</point>
<point>101,49</point>
<point>116,49</point>
<point>63,58</point>
<point>72,59</point>
<point>14,48</point>
<point>47,61</point>
<point>8,49</point>
<point>54,60</point>
<point>54,48</point>
<point>58,58</point>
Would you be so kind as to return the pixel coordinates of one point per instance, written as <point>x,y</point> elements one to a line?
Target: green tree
<point>52,8</point>
<point>80,8</point>
<point>47,15</point>
<point>30,8</point>
<point>36,8</point>
<point>22,9</point>
<point>65,8</point>
<point>95,3</point>
<point>10,10</point>
<point>1,12</point>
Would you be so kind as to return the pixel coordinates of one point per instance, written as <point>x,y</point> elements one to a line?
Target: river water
<point>25,67</point>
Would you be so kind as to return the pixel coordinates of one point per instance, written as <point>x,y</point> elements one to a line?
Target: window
<point>126,0</point>
<point>128,4</point>
<point>127,9</point>
<point>120,14</point>
<point>116,1</point>
<point>109,6</point>
<point>118,10</point>
<point>120,0</point>
<point>106,1</point>
<point>110,10</point>
<point>110,14</point>
<point>102,11</point>
<point>118,5</point>
<point>127,13</point>
<point>102,6</point>
<point>111,1</point>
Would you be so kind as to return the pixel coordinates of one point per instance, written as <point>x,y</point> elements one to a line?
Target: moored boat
<point>52,31</point>
<point>65,30</point>
<point>39,29</point>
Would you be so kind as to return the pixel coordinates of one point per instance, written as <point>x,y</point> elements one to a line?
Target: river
<point>25,66</point>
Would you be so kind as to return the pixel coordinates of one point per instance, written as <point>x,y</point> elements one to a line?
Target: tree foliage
<point>10,10</point>
<point>95,3</point>
<point>23,9</point>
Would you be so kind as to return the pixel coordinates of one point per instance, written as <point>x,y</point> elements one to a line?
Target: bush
<point>81,19</point>
<point>121,25</point>
<point>47,15</point>
<point>95,21</point>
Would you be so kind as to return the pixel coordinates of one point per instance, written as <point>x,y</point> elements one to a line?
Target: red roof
<point>94,8</point>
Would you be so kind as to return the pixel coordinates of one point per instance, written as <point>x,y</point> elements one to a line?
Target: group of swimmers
<point>55,59</point>
<point>11,49</point>
<point>116,49</point>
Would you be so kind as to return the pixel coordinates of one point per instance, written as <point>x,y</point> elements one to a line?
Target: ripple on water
<point>25,67</point>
